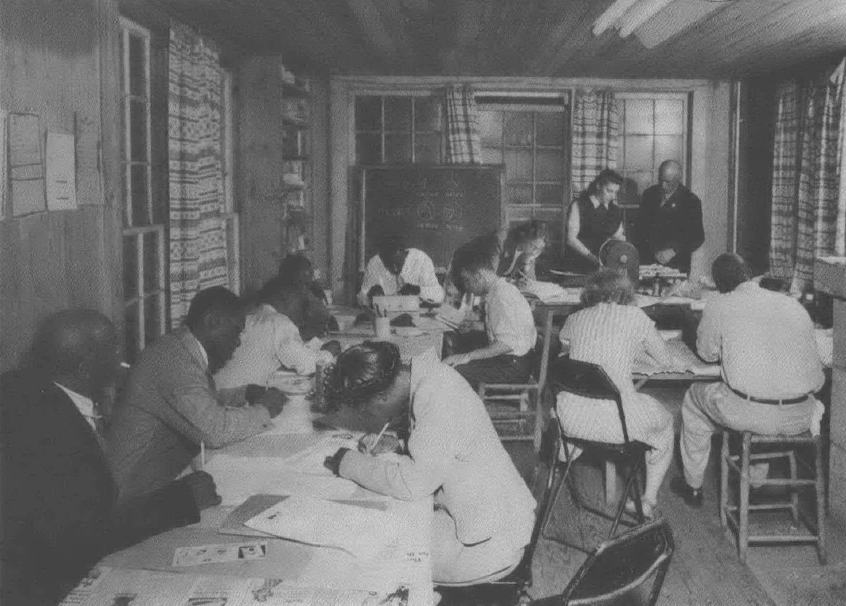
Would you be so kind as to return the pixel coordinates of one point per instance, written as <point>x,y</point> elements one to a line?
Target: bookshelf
<point>296,168</point>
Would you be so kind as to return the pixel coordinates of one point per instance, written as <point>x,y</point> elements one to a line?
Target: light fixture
<point>669,16</point>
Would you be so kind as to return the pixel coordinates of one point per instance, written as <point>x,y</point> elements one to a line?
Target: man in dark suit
<point>59,509</point>
<point>669,223</point>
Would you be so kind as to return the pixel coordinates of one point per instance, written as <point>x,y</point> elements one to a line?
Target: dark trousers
<point>506,368</point>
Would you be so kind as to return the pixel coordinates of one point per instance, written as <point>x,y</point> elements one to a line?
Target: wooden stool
<point>738,514</point>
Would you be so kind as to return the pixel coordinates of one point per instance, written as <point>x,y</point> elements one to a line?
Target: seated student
<point>594,218</point>
<point>611,332</point>
<point>269,340</point>
<point>171,405</point>
<point>59,501</point>
<point>301,300</point>
<point>484,512</point>
<point>399,270</point>
<point>510,334</point>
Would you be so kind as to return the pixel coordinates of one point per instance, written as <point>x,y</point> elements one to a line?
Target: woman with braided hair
<point>484,512</point>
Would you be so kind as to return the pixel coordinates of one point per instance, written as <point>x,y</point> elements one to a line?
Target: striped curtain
<point>838,78</point>
<point>805,223</point>
<point>596,127</point>
<point>463,143</point>
<point>197,225</point>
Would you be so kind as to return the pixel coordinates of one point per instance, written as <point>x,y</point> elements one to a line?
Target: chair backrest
<point>628,569</point>
<point>587,380</point>
<point>546,339</point>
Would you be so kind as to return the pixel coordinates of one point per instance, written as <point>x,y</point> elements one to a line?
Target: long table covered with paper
<point>287,532</point>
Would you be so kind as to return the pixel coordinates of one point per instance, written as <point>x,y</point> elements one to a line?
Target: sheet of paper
<point>61,172</point>
<point>124,587</point>
<point>361,532</point>
<point>310,460</point>
<point>223,552</point>
<point>26,172</point>
<point>547,292</point>
<point>238,478</point>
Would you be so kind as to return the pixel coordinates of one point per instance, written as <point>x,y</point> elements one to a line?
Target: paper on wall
<point>61,172</point>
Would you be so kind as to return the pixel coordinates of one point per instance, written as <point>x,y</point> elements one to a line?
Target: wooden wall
<point>59,60</point>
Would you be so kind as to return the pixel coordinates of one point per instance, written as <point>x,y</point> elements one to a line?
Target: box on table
<point>394,305</point>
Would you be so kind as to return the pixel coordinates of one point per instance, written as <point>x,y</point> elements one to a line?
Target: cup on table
<point>382,326</point>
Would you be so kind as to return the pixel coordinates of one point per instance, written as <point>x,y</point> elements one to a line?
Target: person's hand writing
<point>387,443</point>
<point>273,400</point>
<point>203,490</point>
<point>466,326</point>
<point>458,359</point>
<point>333,463</point>
<point>410,289</point>
<point>665,256</point>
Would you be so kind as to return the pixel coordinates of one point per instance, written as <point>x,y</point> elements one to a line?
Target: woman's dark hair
<point>604,178</point>
<point>608,285</point>
<point>362,372</point>
<point>293,269</point>
<point>729,271</point>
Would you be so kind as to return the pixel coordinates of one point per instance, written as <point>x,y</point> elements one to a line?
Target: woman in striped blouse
<point>612,332</point>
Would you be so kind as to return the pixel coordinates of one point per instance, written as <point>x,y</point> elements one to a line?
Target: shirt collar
<point>195,342</point>
<point>84,405</point>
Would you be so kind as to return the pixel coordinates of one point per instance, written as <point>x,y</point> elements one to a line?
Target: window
<point>529,136</point>
<point>143,233</point>
<point>652,129</point>
<point>395,130</point>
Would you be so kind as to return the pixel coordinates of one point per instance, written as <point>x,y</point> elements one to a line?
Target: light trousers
<point>709,407</point>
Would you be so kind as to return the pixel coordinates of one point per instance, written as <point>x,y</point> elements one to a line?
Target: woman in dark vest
<point>594,218</point>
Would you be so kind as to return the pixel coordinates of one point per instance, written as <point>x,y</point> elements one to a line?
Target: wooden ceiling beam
<point>397,25</point>
<point>576,14</point>
<point>370,21</point>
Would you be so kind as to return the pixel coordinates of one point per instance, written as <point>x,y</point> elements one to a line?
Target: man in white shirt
<point>770,368</point>
<point>509,326</point>
<point>399,270</point>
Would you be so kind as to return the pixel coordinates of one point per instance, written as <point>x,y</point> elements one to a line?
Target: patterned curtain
<point>596,126</point>
<point>804,224</point>
<point>463,144</point>
<point>838,78</point>
<point>197,225</point>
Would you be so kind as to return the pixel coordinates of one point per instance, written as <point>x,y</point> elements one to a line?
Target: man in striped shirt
<point>770,368</point>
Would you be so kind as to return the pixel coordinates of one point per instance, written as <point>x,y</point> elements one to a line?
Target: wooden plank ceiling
<point>525,37</point>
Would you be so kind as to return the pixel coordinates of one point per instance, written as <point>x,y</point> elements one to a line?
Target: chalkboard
<point>438,208</point>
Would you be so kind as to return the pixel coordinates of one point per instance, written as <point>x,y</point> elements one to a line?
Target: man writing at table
<point>770,368</point>
<point>60,509</point>
<point>669,224</point>
<point>172,407</point>
<point>399,270</point>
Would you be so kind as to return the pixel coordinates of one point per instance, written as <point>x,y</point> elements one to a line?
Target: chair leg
<point>724,478</point>
<point>557,483</point>
<point>820,490</point>
<point>622,504</point>
<point>794,493</point>
<point>743,521</point>
<point>610,483</point>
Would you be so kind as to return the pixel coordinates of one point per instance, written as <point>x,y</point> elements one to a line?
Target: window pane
<point>151,262</point>
<point>427,113</point>
<point>518,194</point>
<point>137,61</point>
<point>398,113</point>
<point>639,116</point>
<point>368,148</point>
<point>138,130</point>
<point>669,116</point>
<point>518,165</point>
<point>397,148</point>
<point>491,155</point>
<point>550,195</point>
<point>639,152</point>
<point>550,128</point>
<point>490,129</point>
<point>140,214</point>
<point>368,113</point>
<point>550,165</point>
<point>152,323</point>
<point>518,128</point>
<point>427,148</point>
<point>131,331</point>
<point>669,148</point>
<point>130,268</point>
<point>634,185</point>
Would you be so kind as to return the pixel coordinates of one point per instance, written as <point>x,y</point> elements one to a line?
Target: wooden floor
<point>705,569</point>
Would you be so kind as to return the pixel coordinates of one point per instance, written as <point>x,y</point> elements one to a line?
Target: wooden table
<point>338,576</point>
<point>412,341</point>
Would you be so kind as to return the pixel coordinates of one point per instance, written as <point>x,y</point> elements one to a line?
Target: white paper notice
<point>61,172</point>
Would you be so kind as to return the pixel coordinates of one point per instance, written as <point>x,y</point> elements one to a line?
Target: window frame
<point>413,95</point>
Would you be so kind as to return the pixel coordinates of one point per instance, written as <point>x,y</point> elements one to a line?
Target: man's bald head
<point>77,346</point>
<point>669,175</point>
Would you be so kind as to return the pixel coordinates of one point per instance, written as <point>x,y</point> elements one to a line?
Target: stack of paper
<point>361,532</point>
<point>548,292</point>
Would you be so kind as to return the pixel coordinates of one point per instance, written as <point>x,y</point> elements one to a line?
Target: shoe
<point>647,507</point>
<point>693,497</point>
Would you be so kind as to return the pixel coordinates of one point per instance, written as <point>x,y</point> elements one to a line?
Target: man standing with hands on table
<point>770,369</point>
<point>399,270</point>
<point>669,223</point>
<point>171,406</point>
<point>60,508</point>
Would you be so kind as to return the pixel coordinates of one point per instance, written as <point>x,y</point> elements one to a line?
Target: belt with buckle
<point>769,401</point>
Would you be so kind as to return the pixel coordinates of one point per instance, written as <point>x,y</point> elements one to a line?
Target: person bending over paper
<point>484,512</point>
<point>594,218</point>
<point>503,354</point>
<point>399,270</point>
